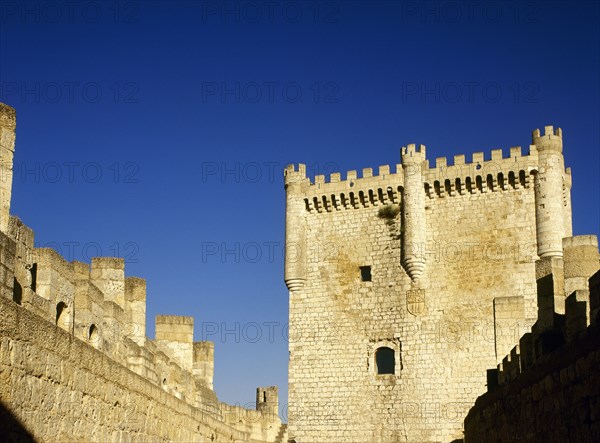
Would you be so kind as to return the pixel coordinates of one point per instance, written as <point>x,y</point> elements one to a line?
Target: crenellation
<point>422,248</point>
<point>176,335</point>
<point>477,157</point>
<point>89,314</point>
<point>76,333</point>
<point>556,370</point>
<point>293,174</point>
<point>367,172</point>
<point>267,400</point>
<point>108,274</point>
<point>135,309</point>
<point>204,366</point>
<point>55,283</point>
<point>496,154</point>
<point>384,171</point>
<point>577,317</point>
<point>81,271</point>
<point>112,326</point>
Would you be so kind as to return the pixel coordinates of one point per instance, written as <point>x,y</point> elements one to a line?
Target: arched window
<point>479,183</point>
<point>469,185</point>
<point>385,361</point>
<point>522,178</point>
<point>448,187</point>
<point>63,316</point>
<point>511,179</point>
<point>490,182</point>
<point>60,313</point>
<point>93,335</point>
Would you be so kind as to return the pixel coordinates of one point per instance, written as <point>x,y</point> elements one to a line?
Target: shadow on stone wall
<point>11,429</point>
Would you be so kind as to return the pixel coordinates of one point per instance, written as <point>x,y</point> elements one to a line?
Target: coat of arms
<point>415,301</point>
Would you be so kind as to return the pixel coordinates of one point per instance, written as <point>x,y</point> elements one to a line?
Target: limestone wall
<point>548,390</point>
<point>75,362</point>
<point>62,389</point>
<point>76,366</point>
<point>474,299</point>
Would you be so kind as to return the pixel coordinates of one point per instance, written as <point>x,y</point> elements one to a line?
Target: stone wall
<point>75,362</point>
<point>62,389</point>
<point>548,390</point>
<point>447,307</point>
<point>62,383</point>
<point>558,400</point>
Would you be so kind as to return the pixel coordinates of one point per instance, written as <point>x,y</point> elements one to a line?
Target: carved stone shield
<point>415,301</point>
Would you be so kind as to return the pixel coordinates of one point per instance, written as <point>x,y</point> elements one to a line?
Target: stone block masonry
<point>75,362</point>
<point>549,390</point>
<point>406,284</point>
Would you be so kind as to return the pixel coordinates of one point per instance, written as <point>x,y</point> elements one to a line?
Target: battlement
<point>79,299</point>
<point>565,305</point>
<point>551,141</point>
<point>267,399</point>
<point>549,132</point>
<point>78,331</point>
<point>293,174</point>
<point>492,173</point>
<point>413,153</point>
<point>495,172</point>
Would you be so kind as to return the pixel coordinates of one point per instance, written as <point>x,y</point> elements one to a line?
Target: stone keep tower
<point>405,286</point>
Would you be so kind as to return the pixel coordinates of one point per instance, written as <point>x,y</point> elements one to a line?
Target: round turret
<point>413,216</point>
<point>295,230</point>
<point>549,186</point>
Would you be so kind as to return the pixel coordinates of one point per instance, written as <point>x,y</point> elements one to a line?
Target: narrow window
<point>33,271</point>
<point>479,183</point>
<point>448,187</point>
<point>60,309</point>
<point>365,273</point>
<point>17,292</point>
<point>458,186</point>
<point>522,178</point>
<point>511,179</point>
<point>469,185</point>
<point>385,362</point>
<point>93,334</point>
<point>428,190</point>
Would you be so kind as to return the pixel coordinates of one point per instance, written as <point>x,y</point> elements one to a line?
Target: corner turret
<point>295,228</point>
<point>550,184</point>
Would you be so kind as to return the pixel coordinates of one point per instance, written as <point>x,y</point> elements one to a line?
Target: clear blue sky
<point>159,130</point>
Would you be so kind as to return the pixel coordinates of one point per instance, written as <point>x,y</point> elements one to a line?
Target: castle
<point>406,286</point>
<point>75,362</point>
<point>412,293</point>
